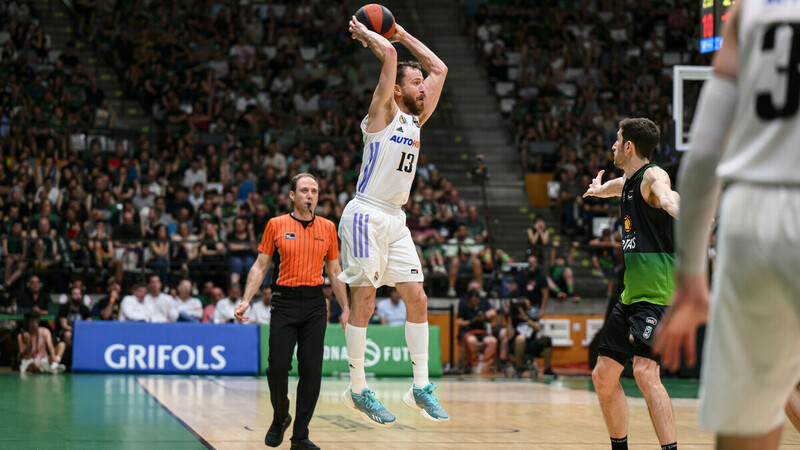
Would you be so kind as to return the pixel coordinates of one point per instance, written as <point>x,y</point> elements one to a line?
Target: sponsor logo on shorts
<point>414,271</point>
<point>376,276</point>
<point>647,332</point>
<point>651,320</point>
<point>289,236</point>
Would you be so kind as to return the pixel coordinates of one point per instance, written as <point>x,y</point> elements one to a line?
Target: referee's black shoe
<point>275,434</point>
<point>303,443</point>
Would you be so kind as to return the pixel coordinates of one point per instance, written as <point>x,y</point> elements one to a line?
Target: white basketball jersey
<point>763,146</point>
<point>390,160</point>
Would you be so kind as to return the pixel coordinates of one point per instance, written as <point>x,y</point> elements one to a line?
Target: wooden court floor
<point>97,411</point>
<point>234,413</point>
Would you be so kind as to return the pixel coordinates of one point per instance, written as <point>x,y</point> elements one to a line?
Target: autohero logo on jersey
<point>373,353</point>
<point>166,348</point>
<point>404,141</point>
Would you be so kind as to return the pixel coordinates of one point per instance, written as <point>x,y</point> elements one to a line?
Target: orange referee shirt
<point>303,250</point>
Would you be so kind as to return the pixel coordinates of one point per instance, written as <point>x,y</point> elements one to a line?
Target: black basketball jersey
<point>648,245</point>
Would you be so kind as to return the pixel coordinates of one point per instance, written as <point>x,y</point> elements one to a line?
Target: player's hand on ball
<point>678,328</point>
<point>399,33</point>
<point>238,313</point>
<point>358,30</point>
<point>596,185</point>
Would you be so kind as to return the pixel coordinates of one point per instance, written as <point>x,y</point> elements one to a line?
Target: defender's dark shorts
<point>629,331</point>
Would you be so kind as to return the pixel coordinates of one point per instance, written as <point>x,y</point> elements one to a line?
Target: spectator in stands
<point>462,256</point>
<point>223,311</point>
<point>392,310</point>
<point>67,315</point>
<point>15,253</point>
<point>36,348</point>
<point>475,313</point>
<point>162,303</point>
<point>186,251</point>
<point>260,311</point>
<point>108,307</point>
<point>157,254</point>
<point>128,237</point>
<point>538,238</point>
<point>212,252</point>
<point>186,308</point>
<point>522,328</point>
<point>33,297</point>
<point>605,255</point>
<point>562,278</point>
<point>102,249</point>
<point>213,295</point>
<point>137,307</point>
<point>241,249</point>
<point>476,225</point>
<point>64,299</point>
<point>532,285</point>
<point>44,248</point>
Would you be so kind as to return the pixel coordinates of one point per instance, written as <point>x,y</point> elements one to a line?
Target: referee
<point>303,242</point>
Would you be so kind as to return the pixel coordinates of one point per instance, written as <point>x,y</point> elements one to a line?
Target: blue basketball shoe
<point>369,407</point>
<point>427,405</point>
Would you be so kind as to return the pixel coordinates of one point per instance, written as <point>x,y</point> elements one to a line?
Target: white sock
<point>417,341</point>
<point>356,338</point>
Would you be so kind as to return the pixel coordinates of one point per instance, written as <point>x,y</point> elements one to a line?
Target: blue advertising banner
<point>165,348</point>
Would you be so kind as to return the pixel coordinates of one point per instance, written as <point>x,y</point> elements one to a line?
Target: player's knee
<point>645,376</point>
<point>602,379</point>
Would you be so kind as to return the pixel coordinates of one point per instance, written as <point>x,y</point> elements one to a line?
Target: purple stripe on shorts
<point>355,236</point>
<point>366,235</point>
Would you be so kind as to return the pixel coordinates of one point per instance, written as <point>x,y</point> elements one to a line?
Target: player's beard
<point>410,101</point>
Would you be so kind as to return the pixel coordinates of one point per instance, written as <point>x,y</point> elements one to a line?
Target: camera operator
<point>522,328</point>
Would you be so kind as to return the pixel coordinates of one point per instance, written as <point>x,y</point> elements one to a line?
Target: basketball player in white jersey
<point>377,249</point>
<point>745,135</point>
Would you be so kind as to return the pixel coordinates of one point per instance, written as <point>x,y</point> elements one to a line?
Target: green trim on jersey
<point>650,276</point>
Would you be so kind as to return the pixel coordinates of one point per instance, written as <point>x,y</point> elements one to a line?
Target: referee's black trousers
<point>298,316</point>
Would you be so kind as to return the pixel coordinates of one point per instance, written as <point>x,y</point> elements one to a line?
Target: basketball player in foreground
<point>744,135</point>
<point>377,249</point>
<point>649,206</point>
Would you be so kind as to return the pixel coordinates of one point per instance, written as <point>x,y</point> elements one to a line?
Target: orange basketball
<point>377,18</point>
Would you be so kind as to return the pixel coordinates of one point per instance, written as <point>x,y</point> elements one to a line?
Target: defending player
<point>744,135</point>
<point>648,207</point>
<point>377,249</point>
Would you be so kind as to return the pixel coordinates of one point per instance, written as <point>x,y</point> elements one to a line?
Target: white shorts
<point>751,359</point>
<point>25,363</point>
<point>376,246</point>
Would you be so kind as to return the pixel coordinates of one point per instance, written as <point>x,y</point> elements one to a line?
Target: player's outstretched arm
<point>662,196</point>
<point>611,188</point>
<point>437,70</point>
<point>383,108</point>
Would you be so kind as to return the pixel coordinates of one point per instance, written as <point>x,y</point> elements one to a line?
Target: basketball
<point>377,18</point>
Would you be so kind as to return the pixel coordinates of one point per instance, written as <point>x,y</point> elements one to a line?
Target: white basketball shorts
<point>751,359</point>
<point>376,246</point>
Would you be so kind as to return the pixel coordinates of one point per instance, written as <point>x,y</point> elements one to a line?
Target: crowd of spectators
<point>243,97</point>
